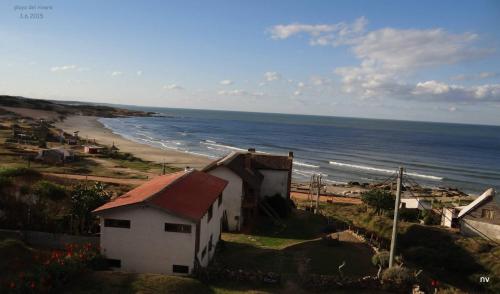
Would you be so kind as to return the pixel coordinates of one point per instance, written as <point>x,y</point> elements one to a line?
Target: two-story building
<point>250,176</point>
<point>170,224</point>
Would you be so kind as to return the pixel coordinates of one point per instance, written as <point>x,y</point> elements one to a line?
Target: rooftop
<point>187,194</point>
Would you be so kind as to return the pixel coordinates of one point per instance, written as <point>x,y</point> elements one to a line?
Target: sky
<point>412,60</point>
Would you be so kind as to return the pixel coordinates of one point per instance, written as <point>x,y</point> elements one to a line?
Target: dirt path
<point>133,182</point>
<point>323,198</point>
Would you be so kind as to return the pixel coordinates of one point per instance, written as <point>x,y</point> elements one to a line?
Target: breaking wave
<point>381,170</point>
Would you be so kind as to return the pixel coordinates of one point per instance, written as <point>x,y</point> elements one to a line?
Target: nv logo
<point>484,279</point>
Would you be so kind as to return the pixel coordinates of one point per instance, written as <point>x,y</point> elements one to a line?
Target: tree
<point>380,200</point>
<point>84,199</point>
<point>46,190</point>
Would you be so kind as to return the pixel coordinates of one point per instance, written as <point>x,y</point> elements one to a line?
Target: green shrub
<point>379,200</point>
<point>398,277</point>
<point>48,190</point>
<point>381,259</point>
<point>409,214</point>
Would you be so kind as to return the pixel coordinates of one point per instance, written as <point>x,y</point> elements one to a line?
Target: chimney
<point>251,150</point>
<point>248,161</point>
<point>290,154</point>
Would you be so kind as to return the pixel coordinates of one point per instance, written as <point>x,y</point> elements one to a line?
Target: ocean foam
<point>305,164</point>
<point>381,170</point>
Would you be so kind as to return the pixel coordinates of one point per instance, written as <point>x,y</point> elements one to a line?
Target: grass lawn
<point>296,248</point>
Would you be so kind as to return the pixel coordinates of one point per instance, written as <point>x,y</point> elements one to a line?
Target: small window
<point>179,228</point>
<point>117,223</point>
<point>204,252</point>
<point>219,201</point>
<point>210,212</point>
<point>114,262</point>
<point>487,213</point>
<point>210,243</point>
<point>181,269</point>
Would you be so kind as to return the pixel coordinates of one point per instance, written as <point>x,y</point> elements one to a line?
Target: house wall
<point>231,197</point>
<point>474,218</point>
<point>146,247</point>
<point>274,182</point>
<point>492,231</point>
<point>416,203</point>
<point>448,215</point>
<point>208,228</point>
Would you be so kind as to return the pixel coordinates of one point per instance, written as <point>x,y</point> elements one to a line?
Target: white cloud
<point>116,73</point>
<point>173,87</point>
<point>139,73</point>
<point>388,56</point>
<point>226,82</point>
<point>321,34</point>
<point>452,109</point>
<point>63,68</point>
<point>297,93</point>
<point>240,92</point>
<point>301,85</point>
<point>272,76</point>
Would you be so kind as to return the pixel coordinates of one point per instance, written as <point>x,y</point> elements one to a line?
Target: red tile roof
<point>186,194</point>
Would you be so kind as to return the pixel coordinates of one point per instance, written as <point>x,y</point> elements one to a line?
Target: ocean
<point>461,156</point>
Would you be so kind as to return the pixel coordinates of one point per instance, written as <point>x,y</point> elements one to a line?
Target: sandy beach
<point>89,127</point>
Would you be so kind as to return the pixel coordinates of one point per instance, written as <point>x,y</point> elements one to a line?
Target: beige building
<point>170,224</point>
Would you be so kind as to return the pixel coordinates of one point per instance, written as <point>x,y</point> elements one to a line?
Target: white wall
<point>232,196</point>
<point>208,228</point>
<point>492,231</point>
<point>146,247</point>
<point>274,182</point>
<point>416,203</point>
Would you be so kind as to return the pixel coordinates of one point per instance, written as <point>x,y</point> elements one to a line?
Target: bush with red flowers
<point>50,271</point>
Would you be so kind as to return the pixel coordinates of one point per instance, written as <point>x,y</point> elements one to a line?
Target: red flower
<point>32,285</point>
<point>12,285</point>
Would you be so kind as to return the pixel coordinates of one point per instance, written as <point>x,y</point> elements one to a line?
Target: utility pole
<point>318,191</point>
<point>396,215</point>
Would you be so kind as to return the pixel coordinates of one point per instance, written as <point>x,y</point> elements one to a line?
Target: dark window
<point>179,228</point>
<point>219,202</point>
<point>487,213</point>
<point>182,269</point>
<point>210,243</point>
<point>117,223</point>
<point>204,252</point>
<point>114,262</point>
<point>210,212</point>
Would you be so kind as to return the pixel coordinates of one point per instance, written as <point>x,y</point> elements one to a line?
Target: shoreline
<point>89,127</point>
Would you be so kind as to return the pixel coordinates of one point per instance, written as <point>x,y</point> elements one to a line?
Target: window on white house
<point>210,243</point>
<point>114,262</point>
<point>179,228</point>
<point>219,201</point>
<point>210,212</point>
<point>204,252</point>
<point>117,223</point>
<point>181,269</point>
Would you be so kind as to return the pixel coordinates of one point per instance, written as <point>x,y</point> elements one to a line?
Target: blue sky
<point>418,60</point>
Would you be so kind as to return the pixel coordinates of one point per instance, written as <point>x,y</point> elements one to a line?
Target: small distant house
<point>481,217</point>
<point>416,203</point>
<point>251,176</point>
<point>449,216</point>
<point>170,224</point>
<point>55,155</point>
<point>92,149</point>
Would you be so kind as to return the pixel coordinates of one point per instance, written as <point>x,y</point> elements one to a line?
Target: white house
<point>481,217</point>
<point>170,224</point>
<point>416,202</point>
<point>251,176</point>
